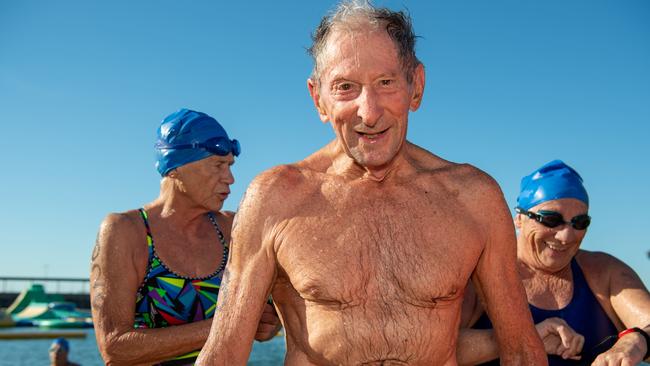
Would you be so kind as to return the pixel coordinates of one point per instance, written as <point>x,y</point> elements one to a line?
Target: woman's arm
<point>631,302</point>
<point>117,267</point>
<point>476,346</point>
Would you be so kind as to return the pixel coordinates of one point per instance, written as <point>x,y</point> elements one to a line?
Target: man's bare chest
<point>409,248</point>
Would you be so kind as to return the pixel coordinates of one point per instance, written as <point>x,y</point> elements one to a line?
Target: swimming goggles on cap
<point>219,146</point>
<point>554,219</point>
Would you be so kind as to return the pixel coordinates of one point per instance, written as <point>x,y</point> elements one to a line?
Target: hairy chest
<point>379,249</point>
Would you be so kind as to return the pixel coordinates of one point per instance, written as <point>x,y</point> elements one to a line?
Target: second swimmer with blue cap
<point>59,351</point>
<point>161,266</point>
<point>582,302</point>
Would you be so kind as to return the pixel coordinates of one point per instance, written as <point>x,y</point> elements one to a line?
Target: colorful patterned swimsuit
<point>166,298</point>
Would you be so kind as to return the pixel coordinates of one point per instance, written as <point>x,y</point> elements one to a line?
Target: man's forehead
<point>345,51</point>
<point>343,38</point>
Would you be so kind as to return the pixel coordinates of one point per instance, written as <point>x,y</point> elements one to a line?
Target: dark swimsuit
<point>584,314</point>
<point>166,298</point>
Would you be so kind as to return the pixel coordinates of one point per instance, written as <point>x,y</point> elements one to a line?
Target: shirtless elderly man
<point>366,246</point>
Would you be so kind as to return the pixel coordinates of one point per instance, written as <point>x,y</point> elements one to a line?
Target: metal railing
<point>51,284</point>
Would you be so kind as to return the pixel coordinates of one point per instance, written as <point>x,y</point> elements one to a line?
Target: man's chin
<point>373,160</point>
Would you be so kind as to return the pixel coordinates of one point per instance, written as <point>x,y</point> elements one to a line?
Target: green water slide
<point>34,294</point>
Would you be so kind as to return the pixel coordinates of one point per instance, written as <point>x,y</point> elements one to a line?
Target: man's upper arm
<point>497,279</point>
<point>249,275</point>
<point>496,275</point>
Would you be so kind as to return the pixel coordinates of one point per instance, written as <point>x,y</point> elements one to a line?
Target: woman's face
<point>207,181</point>
<point>550,249</point>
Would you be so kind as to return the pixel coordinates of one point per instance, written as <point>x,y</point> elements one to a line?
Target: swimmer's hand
<point>628,350</point>
<point>269,324</point>
<point>560,339</point>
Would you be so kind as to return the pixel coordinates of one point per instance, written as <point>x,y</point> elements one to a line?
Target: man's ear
<point>314,92</point>
<point>418,87</point>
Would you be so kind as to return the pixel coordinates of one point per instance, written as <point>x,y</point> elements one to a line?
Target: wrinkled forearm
<point>146,346</point>
<point>526,350</point>
<point>476,346</point>
<point>229,343</point>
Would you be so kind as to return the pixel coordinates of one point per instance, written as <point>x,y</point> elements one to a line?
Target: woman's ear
<point>517,221</point>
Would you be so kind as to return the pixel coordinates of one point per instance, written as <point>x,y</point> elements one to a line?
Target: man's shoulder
<point>468,175</point>
<point>459,174</point>
<point>281,186</point>
<point>465,179</point>
<point>467,183</point>
<point>280,178</point>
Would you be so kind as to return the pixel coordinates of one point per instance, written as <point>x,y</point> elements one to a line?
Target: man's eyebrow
<point>387,75</point>
<point>338,78</point>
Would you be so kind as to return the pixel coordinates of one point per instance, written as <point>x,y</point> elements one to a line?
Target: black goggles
<point>554,219</point>
<point>219,146</point>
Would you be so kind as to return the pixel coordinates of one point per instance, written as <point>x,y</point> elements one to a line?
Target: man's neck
<point>346,166</point>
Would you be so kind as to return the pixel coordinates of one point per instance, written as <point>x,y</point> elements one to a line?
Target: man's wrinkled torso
<point>373,273</point>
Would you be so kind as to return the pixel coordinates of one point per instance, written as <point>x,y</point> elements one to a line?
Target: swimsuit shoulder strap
<point>580,286</point>
<point>150,245</point>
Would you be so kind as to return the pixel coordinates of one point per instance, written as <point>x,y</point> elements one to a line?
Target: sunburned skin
<point>366,273</point>
<point>373,267</point>
<point>367,245</point>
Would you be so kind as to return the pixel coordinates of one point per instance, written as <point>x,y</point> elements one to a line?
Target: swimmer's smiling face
<point>550,249</point>
<point>363,91</point>
<point>206,181</point>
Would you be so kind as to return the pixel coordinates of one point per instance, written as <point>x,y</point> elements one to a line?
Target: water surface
<point>84,350</point>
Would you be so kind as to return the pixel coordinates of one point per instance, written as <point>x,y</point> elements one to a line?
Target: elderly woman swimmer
<point>156,271</point>
<point>589,307</point>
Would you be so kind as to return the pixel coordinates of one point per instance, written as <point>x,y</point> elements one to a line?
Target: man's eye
<point>387,82</point>
<point>344,86</point>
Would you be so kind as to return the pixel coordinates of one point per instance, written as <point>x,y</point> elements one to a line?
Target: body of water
<point>84,350</point>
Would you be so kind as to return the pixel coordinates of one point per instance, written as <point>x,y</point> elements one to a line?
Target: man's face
<point>364,93</point>
<point>551,249</point>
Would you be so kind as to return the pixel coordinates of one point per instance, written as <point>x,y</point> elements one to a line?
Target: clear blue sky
<point>510,86</point>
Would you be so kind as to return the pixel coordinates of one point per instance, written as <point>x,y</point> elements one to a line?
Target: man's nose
<point>369,108</point>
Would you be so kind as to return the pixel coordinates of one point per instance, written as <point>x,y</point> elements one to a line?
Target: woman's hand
<point>269,324</point>
<point>560,339</point>
<point>628,351</point>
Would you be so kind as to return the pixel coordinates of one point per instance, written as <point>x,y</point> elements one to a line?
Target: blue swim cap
<point>552,181</point>
<point>62,343</point>
<point>182,136</point>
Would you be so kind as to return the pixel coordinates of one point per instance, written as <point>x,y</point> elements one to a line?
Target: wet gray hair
<point>353,14</point>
